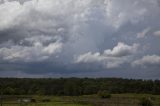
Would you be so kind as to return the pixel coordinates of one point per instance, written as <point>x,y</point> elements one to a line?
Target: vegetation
<point>86,100</point>
<point>104,94</point>
<point>146,102</point>
<point>77,86</point>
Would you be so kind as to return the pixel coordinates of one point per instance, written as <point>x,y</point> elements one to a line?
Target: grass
<point>89,100</point>
<point>48,104</point>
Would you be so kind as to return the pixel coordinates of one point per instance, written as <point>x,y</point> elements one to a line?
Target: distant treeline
<point>76,86</point>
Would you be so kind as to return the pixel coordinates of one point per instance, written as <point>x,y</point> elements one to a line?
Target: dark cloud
<point>65,38</point>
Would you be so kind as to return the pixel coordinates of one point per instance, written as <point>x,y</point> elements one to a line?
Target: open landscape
<point>79,52</point>
<point>79,92</point>
<point>89,100</point>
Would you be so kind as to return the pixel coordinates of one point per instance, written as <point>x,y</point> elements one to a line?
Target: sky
<point>80,38</point>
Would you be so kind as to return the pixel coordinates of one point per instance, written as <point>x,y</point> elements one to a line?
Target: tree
<point>9,91</point>
<point>104,94</point>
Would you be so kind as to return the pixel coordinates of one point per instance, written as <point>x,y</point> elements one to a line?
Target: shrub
<point>146,102</point>
<point>104,94</point>
<point>46,100</point>
<point>33,100</point>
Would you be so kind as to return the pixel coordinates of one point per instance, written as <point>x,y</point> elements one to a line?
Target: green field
<point>88,100</point>
<point>47,104</point>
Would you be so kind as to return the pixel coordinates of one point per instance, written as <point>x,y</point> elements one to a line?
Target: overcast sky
<point>80,38</point>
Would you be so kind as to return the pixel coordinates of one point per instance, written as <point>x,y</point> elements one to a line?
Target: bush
<point>33,100</point>
<point>146,102</point>
<point>46,100</point>
<point>104,94</point>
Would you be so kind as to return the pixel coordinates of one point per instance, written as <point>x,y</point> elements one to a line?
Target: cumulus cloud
<point>147,60</point>
<point>46,11</point>
<point>106,62</point>
<point>120,12</point>
<point>110,58</point>
<point>122,49</point>
<point>35,53</point>
<point>157,33</point>
<point>143,33</point>
<point>54,31</point>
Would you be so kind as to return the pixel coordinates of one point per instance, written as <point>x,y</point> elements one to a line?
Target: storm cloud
<point>70,37</point>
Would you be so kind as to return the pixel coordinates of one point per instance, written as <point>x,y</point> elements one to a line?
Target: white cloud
<point>107,62</point>
<point>110,58</point>
<point>41,38</point>
<point>39,30</point>
<point>143,33</point>
<point>40,13</point>
<point>35,53</point>
<point>122,50</point>
<point>157,33</point>
<point>9,11</point>
<point>147,60</point>
<point>120,12</point>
